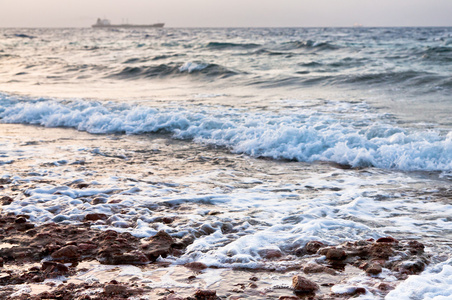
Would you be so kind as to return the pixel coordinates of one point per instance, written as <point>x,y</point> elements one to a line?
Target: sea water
<point>376,102</point>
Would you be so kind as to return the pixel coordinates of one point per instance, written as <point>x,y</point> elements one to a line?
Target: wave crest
<point>306,136</point>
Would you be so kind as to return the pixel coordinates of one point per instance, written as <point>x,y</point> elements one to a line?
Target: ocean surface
<point>373,104</point>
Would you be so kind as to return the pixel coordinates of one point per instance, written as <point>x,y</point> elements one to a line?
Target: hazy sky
<point>227,13</point>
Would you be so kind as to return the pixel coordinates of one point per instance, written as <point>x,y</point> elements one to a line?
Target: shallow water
<point>250,139</point>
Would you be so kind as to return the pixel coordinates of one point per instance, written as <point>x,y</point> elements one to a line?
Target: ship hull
<point>156,25</point>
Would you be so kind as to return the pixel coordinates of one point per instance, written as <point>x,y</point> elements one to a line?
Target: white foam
<point>306,135</point>
<point>435,283</point>
<point>192,66</point>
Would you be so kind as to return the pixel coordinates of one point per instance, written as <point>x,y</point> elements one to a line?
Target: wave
<point>225,46</point>
<point>165,70</point>
<point>306,136</point>
<point>272,53</point>
<point>441,54</point>
<point>309,45</point>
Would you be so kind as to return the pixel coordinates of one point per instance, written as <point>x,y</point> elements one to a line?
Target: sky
<point>227,13</point>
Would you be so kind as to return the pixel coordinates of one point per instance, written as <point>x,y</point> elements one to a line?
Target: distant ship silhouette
<point>105,23</point>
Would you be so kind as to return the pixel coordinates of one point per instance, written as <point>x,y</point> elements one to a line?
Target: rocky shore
<point>31,254</point>
<point>106,217</point>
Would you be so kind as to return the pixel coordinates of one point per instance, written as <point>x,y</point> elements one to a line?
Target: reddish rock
<point>81,185</point>
<point>387,239</point>
<point>197,266</point>
<point>336,254</point>
<point>205,295</point>
<point>374,269</point>
<point>384,286</point>
<point>313,246</point>
<point>168,220</point>
<point>381,250</point>
<point>6,200</point>
<point>313,268</point>
<point>174,297</point>
<point>316,268</point>
<point>20,220</point>
<point>54,267</point>
<point>115,255</point>
<point>288,298</point>
<point>1,262</point>
<point>303,285</point>
<point>270,253</point>
<point>410,267</point>
<point>86,247</point>
<point>115,201</point>
<point>99,200</point>
<point>359,291</point>
<point>114,289</point>
<point>67,253</point>
<point>95,217</point>
<point>416,247</point>
<point>159,245</point>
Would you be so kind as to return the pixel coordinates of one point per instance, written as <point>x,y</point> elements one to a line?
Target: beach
<point>170,165</point>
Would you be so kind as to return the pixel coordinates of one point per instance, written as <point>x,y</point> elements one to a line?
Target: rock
<point>81,185</point>
<point>336,254</point>
<point>303,285</point>
<point>115,201</point>
<point>196,266</point>
<point>168,220</point>
<point>313,268</point>
<point>86,247</point>
<point>374,269</point>
<point>313,246</point>
<point>20,220</point>
<point>67,253</point>
<point>288,298</point>
<point>384,286</point>
<point>316,268</point>
<point>132,258</point>
<point>358,291</point>
<point>54,267</point>
<point>99,200</point>
<point>95,217</point>
<point>416,247</point>
<point>206,229</point>
<point>270,253</point>
<point>159,245</point>
<point>6,200</point>
<point>205,295</point>
<point>381,250</point>
<point>411,267</point>
<point>174,297</point>
<point>387,239</point>
<point>114,289</point>
<point>1,262</point>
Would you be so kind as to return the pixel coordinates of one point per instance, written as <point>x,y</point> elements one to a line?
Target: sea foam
<point>306,135</point>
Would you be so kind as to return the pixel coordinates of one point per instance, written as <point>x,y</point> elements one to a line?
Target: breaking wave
<point>165,70</point>
<point>306,136</point>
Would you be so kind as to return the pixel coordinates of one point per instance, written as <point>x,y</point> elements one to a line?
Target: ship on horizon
<point>105,23</point>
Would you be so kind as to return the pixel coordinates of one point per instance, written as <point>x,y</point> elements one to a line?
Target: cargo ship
<point>105,23</point>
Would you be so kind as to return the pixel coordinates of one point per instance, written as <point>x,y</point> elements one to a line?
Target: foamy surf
<point>306,135</point>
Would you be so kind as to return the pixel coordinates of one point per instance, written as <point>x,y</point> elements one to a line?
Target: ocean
<point>280,135</point>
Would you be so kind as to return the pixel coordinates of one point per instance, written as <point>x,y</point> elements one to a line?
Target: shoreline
<point>97,183</point>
